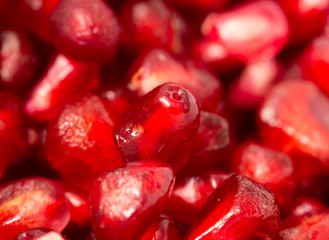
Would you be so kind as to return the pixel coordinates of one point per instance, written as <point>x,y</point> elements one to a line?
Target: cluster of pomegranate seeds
<point>164,119</point>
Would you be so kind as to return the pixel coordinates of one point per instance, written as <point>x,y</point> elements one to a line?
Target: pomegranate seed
<point>251,87</point>
<point>86,30</point>
<point>190,194</point>
<point>161,126</point>
<point>243,31</point>
<point>211,143</point>
<point>302,207</point>
<point>63,78</point>
<point>310,14</point>
<point>152,23</point>
<point>315,227</point>
<point>78,205</point>
<point>164,229</point>
<point>79,143</point>
<point>273,169</point>
<point>294,119</point>
<point>239,209</point>
<point>19,62</point>
<point>215,55</point>
<point>32,202</point>
<point>39,234</point>
<point>13,133</point>
<point>126,201</point>
<point>158,67</point>
<point>314,63</point>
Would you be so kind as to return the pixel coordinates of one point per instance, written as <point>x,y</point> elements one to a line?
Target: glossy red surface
<point>32,202</point>
<point>126,201</point>
<point>239,209</point>
<point>79,143</point>
<point>161,126</point>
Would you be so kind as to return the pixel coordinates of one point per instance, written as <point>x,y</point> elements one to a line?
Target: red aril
<point>314,63</point>
<point>211,143</point>
<point>309,14</point>
<point>244,30</point>
<point>152,23</point>
<point>315,227</point>
<point>19,61</point>
<point>32,202</point>
<point>190,194</point>
<point>79,143</point>
<point>239,209</point>
<point>86,30</point>
<point>274,169</point>
<point>126,201</point>
<point>294,119</point>
<point>161,126</point>
<point>63,78</point>
<point>250,89</point>
<point>13,132</point>
<point>158,67</point>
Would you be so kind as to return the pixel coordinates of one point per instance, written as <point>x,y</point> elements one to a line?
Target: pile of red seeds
<point>164,120</point>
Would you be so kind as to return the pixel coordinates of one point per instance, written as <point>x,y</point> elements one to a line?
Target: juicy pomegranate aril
<point>294,119</point>
<point>126,201</point>
<point>158,26</point>
<point>273,169</point>
<point>158,67</point>
<point>79,142</point>
<point>63,78</point>
<point>86,30</point>
<point>190,194</point>
<point>244,31</point>
<point>32,202</point>
<point>239,209</point>
<point>161,126</point>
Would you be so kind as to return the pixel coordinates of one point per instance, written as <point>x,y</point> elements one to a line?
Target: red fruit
<point>239,209</point>
<point>152,23</point>
<point>294,119</point>
<point>158,67</point>
<point>78,205</point>
<point>86,30</point>
<point>13,134</point>
<point>211,143</point>
<point>190,194</point>
<point>32,202</point>
<point>18,60</point>
<point>273,169</point>
<point>164,229</point>
<point>250,89</point>
<point>39,234</point>
<point>91,236</point>
<point>79,142</point>
<point>310,14</point>
<point>315,227</point>
<point>315,63</point>
<point>161,126</point>
<point>126,201</point>
<point>302,207</point>
<point>63,78</point>
<point>215,55</point>
<point>244,31</point>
